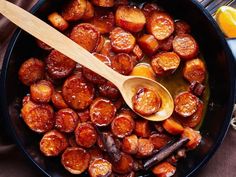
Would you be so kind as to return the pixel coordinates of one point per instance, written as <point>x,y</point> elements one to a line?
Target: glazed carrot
<point>130,18</point>
<point>194,137</point>
<point>172,127</point>
<point>164,169</point>
<point>142,128</point>
<point>143,69</point>
<point>124,165</point>
<point>100,167</point>
<point>58,21</point>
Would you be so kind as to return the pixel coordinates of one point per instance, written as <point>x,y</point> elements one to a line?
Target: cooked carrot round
<point>77,92</point>
<point>31,71</point>
<point>130,18</point>
<point>75,160</point>
<point>172,126</point>
<point>149,7</point>
<point>124,165</point>
<point>194,137</point>
<point>86,135</point>
<point>89,12</point>
<point>104,3</point>
<point>146,102</point>
<point>165,63</point>
<point>74,10</point>
<point>66,120</point>
<point>40,118</point>
<point>181,27</point>
<point>104,21</point>
<point>142,128</point>
<point>148,44</point>
<point>41,91</point>
<point>122,125</point>
<point>122,41</point>
<point>185,46</point>
<point>102,112</point>
<point>53,143</point>
<point>122,63</point>
<point>145,147</point>
<point>58,21</point>
<point>86,35</point>
<point>144,70</point>
<point>164,169</point>
<point>100,167</point>
<point>195,119</point>
<point>130,144</point>
<point>159,140</point>
<point>186,104</point>
<point>194,70</point>
<point>58,101</point>
<point>58,65</point>
<point>160,25</point>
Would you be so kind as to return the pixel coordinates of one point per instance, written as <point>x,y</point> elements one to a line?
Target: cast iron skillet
<point>220,63</point>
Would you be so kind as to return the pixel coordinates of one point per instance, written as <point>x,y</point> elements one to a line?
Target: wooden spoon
<point>126,84</point>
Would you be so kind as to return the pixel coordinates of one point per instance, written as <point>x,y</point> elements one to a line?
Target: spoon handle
<point>58,41</point>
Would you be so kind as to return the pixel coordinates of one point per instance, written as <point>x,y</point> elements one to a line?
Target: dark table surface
<point>14,164</point>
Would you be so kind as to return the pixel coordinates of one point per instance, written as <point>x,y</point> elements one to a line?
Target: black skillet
<point>220,63</point>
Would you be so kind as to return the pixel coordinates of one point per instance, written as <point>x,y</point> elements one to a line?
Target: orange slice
<point>226,18</point>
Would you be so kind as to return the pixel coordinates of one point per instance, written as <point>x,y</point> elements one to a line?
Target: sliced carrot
<point>145,70</point>
<point>172,127</point>
<point>164,169</point>
<point>194,137</point>
<point>58,21</point>
<point>130,18</point>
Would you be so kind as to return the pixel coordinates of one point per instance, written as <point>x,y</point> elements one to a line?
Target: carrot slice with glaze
<point>75,160</point>
<point>31,71</point>
<point>100,167</point>
<point>172,127</point>
<point>160,25</point>
<point>102,112</point>
<point>74,10</point>
<point>130,18</point>
<point>53,143</point>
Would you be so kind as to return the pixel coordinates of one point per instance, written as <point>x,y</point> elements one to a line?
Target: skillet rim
<point>221,134</point>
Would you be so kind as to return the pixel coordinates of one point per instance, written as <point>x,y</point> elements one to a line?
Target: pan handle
<point>232,44</point>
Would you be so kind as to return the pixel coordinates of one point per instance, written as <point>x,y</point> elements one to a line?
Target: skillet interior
<point>221,79</point>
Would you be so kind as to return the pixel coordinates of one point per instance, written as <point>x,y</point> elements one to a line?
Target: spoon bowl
<point>127,85</point>
<point>133,83</point>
